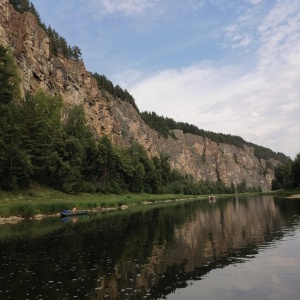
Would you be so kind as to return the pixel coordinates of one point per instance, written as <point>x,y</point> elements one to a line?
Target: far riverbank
<point>40,202</point>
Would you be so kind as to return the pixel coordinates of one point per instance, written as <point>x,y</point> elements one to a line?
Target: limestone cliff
<point>201,158</point>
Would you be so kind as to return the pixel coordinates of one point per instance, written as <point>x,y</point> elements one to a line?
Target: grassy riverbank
<point>47,201</point>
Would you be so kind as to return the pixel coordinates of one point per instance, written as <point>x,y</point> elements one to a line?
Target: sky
<point>226,66</point>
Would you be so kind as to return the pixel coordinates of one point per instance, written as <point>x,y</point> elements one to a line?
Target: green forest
<point>105,85</point>
<point>287,175</point>
<point>163,125</point>
<point>37,147</point>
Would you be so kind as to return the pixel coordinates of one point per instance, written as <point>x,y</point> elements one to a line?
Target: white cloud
<point>239,40</point>
<point>241,33</point>
<point>280,35</point>
<point>127,7</point>
<point>261,105</point>
<point>255,2</point>
<point>289,107</point>
<point>127,78</point>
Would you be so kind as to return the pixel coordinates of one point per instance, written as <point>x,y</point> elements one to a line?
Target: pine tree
<point>296,170</point>
<point>40,128</point>
<point>9,78</point>
<point>21,5</point>
<point>15,166</point>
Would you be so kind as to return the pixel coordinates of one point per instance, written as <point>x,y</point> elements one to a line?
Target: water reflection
<point>133,255</point>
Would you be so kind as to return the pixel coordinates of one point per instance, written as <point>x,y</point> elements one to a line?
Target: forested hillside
<point>163,125</point>
<point>80,153</point>
<point>37,147</point>
<point>105,85</point>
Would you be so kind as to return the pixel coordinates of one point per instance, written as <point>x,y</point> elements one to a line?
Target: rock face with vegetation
<point>198,157</point>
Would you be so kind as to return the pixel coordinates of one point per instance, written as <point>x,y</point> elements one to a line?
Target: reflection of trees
<point>152,253</point>
<point>214,237</point>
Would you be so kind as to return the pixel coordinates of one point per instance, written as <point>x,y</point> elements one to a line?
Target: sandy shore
<point>10,220</point>
<point>16,219</point>
<point>294,196</point>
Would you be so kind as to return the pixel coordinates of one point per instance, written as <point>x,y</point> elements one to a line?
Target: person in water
<point>74,209</point>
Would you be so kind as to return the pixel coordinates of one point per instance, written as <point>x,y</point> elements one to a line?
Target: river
<point>233,248</point>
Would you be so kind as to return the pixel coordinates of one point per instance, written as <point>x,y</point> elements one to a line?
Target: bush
<point>88,187</point>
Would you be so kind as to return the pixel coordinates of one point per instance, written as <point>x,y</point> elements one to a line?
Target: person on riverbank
<point>212,199</point>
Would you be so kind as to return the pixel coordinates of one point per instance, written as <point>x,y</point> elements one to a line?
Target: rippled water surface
<point>236,248</point>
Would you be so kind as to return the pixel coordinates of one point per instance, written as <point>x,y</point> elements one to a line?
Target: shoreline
<point>17,219</point>
<point>295,196</point>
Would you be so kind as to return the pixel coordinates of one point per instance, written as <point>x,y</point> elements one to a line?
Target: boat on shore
<point>70,213</point>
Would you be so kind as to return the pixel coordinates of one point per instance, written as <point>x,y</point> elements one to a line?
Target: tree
<point>40,128</point>
<point>296,170</point>
<point>20,5</point>
<point>76,126</point>
<point>75,53</point>
<point>63,47</point>
<point>66,169</point>
<point>105,158</point>
<point>15,164</point>
<point>283,176</point>
<point>9,77</point>
<point>116,91</point>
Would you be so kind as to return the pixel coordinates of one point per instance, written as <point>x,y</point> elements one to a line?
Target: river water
<point>235,248</point>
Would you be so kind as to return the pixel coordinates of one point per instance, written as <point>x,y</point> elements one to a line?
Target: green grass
<point>41,200</point>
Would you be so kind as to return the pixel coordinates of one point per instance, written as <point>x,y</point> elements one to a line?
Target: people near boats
<point>212,199</point>
<point>74,209</point>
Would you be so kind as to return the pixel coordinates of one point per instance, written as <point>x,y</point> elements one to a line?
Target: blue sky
<point>230,66</point>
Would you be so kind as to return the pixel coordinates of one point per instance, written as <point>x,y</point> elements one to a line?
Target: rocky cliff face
<point>201,158</point>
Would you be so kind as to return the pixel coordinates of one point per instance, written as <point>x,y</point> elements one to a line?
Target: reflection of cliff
<point>129,255</point>
<point>212,238</point>
<point>213,233</point>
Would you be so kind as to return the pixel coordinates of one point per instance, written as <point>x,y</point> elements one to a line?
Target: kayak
<point>69,213</point>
